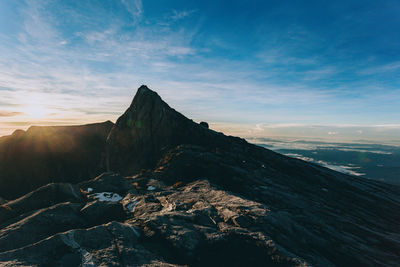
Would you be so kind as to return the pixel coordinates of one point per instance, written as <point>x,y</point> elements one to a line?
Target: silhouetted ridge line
<point>44,154</point>
<point>180,194</point>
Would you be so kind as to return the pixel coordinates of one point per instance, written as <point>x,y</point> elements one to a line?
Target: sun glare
<point>36,111</point>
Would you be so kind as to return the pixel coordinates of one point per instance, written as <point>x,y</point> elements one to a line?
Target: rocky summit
<point>177,193</point>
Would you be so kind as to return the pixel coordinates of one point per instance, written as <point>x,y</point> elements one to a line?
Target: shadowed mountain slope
<point>44,154</point>
<point>180,194</point>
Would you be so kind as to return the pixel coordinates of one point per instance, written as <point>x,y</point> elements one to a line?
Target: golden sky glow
<point>36,111</point>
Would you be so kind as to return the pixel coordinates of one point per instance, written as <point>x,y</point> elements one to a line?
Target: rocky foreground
<point>179,194</point>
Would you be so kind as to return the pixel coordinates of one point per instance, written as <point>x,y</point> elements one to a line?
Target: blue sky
<point>317,69</point>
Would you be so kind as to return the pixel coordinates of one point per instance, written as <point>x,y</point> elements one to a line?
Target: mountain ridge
<point>179,194</point>
<point>44,154</point>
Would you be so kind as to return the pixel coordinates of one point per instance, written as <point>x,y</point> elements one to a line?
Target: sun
<point>36,111</point>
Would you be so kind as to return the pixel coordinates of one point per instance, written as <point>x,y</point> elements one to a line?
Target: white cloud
<point>135,8</point>
<point>42,67</point>
<point>340,168</point>
<point>394,66</point>
<point>178,15</point>
<point>320,73</point>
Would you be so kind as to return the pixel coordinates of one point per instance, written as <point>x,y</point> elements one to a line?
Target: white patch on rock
<point>87,260</point>
<point>151,188</point>
<point>107,196</point>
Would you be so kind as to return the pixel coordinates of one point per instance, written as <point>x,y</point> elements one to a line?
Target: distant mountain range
<point>157,189</point>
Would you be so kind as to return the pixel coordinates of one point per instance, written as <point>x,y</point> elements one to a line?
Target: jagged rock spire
<point>147,128</point>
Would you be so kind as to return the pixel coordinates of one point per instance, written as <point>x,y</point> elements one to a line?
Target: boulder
<point>99,212</point>
<point>108,182</point>
<point>204,124</point>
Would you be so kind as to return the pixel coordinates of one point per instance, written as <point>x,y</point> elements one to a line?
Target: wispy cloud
<point>87,60</point>
<point>178,15</point>
<point>4,113</point>
<point>135,8</point>
<point>320,73</point>
<point>46,67</point>
<point>352,170</point>
<point>394,66</point>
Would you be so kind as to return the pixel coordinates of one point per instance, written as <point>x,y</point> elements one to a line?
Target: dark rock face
<point>112,244</point>
<point>42,155</point>
<point>204,124</point>
<point>149,128</point>
<point>189,196</point>
<point>45,196</point>
<point>99,212</point>
<point>41,224</point>
<point>317,214</point>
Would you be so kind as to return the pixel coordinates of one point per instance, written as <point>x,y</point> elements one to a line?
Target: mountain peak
<point>143,88</point>
<point>136,130</point>
<point>147,128</point>
<point>145,97</point>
